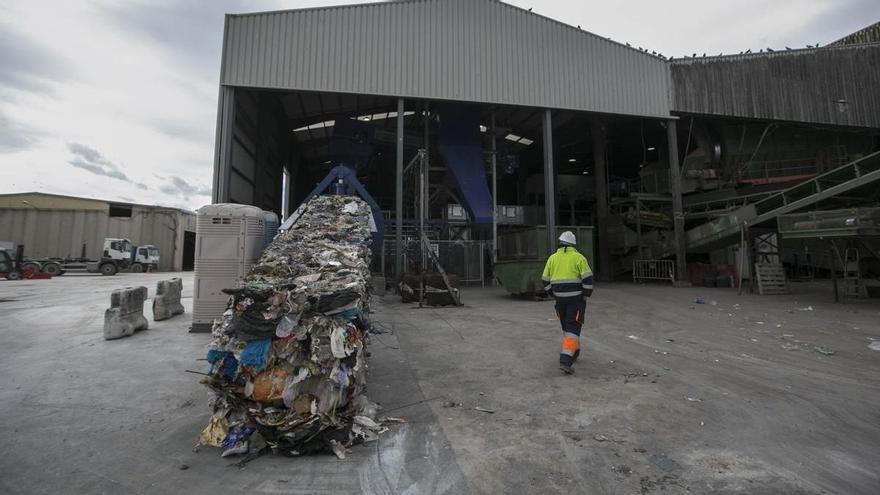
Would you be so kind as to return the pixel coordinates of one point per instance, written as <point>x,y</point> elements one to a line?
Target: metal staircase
<point>852,285</point>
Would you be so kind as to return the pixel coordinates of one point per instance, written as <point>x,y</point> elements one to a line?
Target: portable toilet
<point>271,225</point>
<point>229,240</point>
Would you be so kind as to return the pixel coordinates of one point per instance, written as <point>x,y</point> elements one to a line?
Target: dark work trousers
<point>570,311</point>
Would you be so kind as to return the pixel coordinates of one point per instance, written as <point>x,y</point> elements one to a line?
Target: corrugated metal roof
<point>869,34</point>
<point>832,85</point>
<point>469,50</point>
<point>63,202</point>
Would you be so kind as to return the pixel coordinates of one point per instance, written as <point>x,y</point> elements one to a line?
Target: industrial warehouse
<point>506,101</point>
<point>62,227</point>
<point>409,199</point>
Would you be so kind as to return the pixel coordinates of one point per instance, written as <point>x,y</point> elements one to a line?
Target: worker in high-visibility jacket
<point>567,276</point>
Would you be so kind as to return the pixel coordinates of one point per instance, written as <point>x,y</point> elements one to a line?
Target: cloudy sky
<point>117,99</point>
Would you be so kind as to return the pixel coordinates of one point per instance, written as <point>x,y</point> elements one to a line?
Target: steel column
<point>549,186</point>
<point>427,158</point>
<point>398,230</point>
<point>223,145</point>
<point>494,161</point>
<point>603,267</point>
<point>677,210</point>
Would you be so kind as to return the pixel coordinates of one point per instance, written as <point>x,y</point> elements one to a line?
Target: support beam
<point>549,186</point>
<point>603,267</point>
<point>223,145</point>
<point>494,161</point>
<point>426,145</point>
<point>398,217</point>
<point>677,211</point>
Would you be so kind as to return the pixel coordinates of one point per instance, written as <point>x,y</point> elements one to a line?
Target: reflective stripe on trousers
<point>570,312</point>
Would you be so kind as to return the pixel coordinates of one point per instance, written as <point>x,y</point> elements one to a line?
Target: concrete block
<point>126,313</point>
<point>167,301</point>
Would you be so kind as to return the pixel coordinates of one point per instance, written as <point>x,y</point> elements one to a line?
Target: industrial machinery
<point>229,239</point>
<point>342,180</point>
<point>13,268</point>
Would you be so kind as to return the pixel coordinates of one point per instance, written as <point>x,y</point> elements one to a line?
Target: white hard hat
<point>568,238</point>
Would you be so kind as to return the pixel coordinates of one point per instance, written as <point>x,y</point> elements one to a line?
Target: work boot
<point>565,363</point>
<point>575,357</point>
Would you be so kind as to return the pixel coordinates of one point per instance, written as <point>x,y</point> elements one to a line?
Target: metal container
<point>522,254</point>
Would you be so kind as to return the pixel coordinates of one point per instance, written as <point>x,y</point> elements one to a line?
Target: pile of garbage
<point>288,357</point>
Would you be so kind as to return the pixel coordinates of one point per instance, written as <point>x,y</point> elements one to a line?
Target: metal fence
<point>467,260</point>
<point>653,270</point>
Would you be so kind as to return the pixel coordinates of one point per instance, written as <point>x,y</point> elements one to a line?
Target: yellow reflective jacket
<point>567,274</point>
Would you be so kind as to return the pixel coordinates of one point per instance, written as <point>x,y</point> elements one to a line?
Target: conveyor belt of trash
<point>288,360</point>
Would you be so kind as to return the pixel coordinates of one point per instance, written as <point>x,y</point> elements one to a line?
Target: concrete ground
<point>669,396</point>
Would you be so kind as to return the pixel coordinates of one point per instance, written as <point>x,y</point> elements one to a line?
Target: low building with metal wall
<point>52,225</point>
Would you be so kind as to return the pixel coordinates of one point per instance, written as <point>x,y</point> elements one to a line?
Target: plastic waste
<point>822,349</point>
<point>288,357</point>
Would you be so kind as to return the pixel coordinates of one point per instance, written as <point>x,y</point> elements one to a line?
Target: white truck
<point>145,259</point>
<point>118,254</point>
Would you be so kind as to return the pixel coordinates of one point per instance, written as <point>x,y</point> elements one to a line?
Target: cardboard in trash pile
<point>288,361</point>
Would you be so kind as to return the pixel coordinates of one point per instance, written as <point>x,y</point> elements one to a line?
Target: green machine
<point>523,252</point>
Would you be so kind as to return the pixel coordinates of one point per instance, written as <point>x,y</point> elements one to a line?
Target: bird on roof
<point>740,53</point>
<point>530,9</point>
<point>694,55</point>
<point>653,52</point>
<point>769,49</point>
<point>720,54</point>
<point>749,50</point>
<point>704,54</point>
<point>788,48</point>
<point>627,44</point>
<point>579,26</point>
<point>671,57</point>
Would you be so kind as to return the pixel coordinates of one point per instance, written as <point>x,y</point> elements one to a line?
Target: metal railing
<point>653,270</point>
<point>465,259</point>
<point>774,169</point>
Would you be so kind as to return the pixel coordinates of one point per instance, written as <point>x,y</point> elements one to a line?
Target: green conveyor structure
<point>829,224</point>
<point>725,229</point>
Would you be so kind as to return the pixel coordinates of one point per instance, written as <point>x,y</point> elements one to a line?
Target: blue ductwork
<point>461,145</point>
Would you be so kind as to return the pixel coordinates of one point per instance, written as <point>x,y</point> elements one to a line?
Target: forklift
<point>13,268</point>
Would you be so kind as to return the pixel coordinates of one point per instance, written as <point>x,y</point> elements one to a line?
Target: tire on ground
<point>137,268</point>
<point>108,269</point>
<point>53,269</point>
<point>30,265</point>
